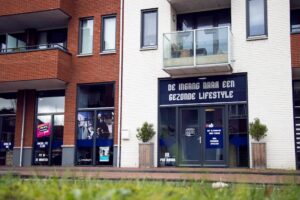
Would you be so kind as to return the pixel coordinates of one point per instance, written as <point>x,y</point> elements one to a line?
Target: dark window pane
<point>42,142</point>
<point>8,104</point>
<point>86,36</point>
<point>297,94</point>
<point>149,26</point>
<point>58,36</point>
<point>167,137</point>
<point>295,21</point>
<point>2,43</point>
<point>57,140</point>
<point>256,17</point>
<point>7,133</point>
<point>95,96</point>
<point>109,33</point>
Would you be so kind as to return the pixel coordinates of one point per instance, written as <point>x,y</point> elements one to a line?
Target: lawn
<point>12,188</point>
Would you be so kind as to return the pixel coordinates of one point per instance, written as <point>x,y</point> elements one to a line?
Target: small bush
<point>257,130</point>
<point>146,132</point>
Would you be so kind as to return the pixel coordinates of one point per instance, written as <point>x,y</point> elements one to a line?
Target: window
<point>15,42</point>
<point>256,18</point>
<point>8,103</point>
<point>149,28</point>
<point>95,124</point>
<point>2,43</point>
<point>108,33</point>
<point>86,36</point>
<point>295,21</point>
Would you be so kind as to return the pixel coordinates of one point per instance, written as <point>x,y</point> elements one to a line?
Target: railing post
<point>194,43</point>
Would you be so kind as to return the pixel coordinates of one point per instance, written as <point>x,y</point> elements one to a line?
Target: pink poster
<point>43,130</point>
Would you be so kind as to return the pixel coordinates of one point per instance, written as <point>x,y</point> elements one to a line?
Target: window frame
<point>262,36</point>
<point>79,52</point>
<point>102,49</point>
<point>142,46</point>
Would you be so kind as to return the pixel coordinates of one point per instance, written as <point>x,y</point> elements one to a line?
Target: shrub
<point>257,130</point>
<point>146,132</point>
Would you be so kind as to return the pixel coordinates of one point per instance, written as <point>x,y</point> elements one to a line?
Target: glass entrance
<point>7,133</point>
<point>202,137</point>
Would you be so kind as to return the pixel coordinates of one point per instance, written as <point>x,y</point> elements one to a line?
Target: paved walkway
<point>167,174</point>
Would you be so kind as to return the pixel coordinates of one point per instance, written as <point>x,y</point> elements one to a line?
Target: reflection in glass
<point>256,17</point>
<point>51,104</point>
<point>149,31</point>
<point>8,105</point>
<point>86,36</point>
<point>109,36</point>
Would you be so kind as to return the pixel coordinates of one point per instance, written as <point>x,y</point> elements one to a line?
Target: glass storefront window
<point>238,136</point>
<point>95,125</point>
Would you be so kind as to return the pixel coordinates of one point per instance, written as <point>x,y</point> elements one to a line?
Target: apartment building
<point>59,82</point>
<point>203,69</point>
<point>78,75</point>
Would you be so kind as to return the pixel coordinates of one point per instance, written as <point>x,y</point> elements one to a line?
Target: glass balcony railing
<point>201,47</point>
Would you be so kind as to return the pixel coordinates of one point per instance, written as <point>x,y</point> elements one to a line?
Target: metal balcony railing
<point>33,48</point>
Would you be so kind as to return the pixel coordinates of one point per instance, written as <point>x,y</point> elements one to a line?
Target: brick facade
<point>295,48</point>
<point>57,64</point>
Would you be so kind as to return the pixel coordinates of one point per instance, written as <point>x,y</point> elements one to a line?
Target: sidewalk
<point>167,174</point>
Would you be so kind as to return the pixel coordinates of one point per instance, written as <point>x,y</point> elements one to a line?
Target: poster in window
<point>43,130</point>
<point>85,126</point>
<point>105,124</point>
<point>104,154</point>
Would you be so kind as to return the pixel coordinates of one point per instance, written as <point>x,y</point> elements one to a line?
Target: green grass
<point>12,188</point>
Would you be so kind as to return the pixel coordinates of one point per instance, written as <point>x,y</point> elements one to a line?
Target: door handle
<point>200,139</point>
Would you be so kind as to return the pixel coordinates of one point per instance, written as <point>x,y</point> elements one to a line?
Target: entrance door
<point>49,139</point>
<point>201,136</point>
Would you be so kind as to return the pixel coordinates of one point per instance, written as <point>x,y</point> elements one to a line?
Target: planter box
<point>259,158</point>
<point>146,155</point>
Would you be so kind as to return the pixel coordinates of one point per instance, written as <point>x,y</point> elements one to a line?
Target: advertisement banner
<point>104,154</point>
<point>203,90</point>
<point>43,130</point>
<point>214,138</point>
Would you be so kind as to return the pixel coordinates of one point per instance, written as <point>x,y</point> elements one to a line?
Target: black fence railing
<point>33,48</point>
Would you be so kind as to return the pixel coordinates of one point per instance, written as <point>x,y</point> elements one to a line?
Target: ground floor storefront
<point>34,127</point>
<point>203,122</point>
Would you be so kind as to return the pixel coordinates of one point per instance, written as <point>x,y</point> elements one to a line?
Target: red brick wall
<point>295,48</point>
<point>10,7</point>
<point>29,118</point>
<point>91,69</point>
<point>35,65</point>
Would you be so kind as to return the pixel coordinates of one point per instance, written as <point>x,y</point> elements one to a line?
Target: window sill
<point>84,55</point>
<point>149,48</point>
<point>108,52</point>
<point>260,37</point>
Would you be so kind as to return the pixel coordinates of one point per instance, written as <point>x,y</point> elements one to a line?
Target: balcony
<point>197,52</point>
<point>34,67</point>
<point>184,6</point>
<point>14,7</point>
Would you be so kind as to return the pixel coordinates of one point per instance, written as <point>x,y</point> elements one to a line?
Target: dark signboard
<point>215,89</point>
<point>214,138</point>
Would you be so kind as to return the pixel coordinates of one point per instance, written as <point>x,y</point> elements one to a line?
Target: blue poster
<point>203,90</point>
<point>214,138</point>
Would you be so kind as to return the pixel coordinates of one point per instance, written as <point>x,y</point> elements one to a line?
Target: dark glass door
<point>189,137</point>
<point>202,138</point>
<point>214,136</point>
<point>49,139</point>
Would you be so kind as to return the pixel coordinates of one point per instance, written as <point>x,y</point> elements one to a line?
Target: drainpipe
<point>22,131</point>
<point>120,84</point>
